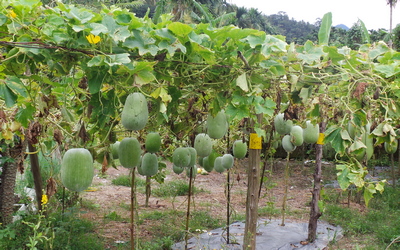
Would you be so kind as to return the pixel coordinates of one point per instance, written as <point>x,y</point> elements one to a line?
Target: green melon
<point>200,160</point>
<point>177,170</point>
<point>296,135</point>
<point>153,142</point>
<point>208,161</point>
<point>310,133</point>
<point>281,125</point>
<point>193,156</point>
<point>181,157</point>
<point>194,171</point>
<point>129,152</point>
<point>218,165</point>
<point>351,129</point>
<point>203,145</point>
<point>227,161</point>
<point>135,113</point>
<point>77,169</point>
<point>239,149</point>
<point>139,166</point>
<point>217,126</point>
<point>149,164</point>
<point>391,147</point>
<point>287,144</point>
<point>114,149</point>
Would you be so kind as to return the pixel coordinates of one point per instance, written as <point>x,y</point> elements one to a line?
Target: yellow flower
<point>44,199</point>
<point>93,39</point>
<point>11,14</point>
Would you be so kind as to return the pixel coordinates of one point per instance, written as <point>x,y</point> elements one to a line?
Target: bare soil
<point>107,198</point>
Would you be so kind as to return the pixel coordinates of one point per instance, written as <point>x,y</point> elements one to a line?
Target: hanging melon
<point>227,161</point>
<point>153,142</point>
<point>177,170</point>
<point>310,133</point>
<point>296,135</point>
<point>218,165</point>
<point>193,156</point>
<point>391,147</point>
<point>239,149</point>
<point>77,169</point>
<point>217,126</point>
<point>203,145</point>
<point>208,161</point>
<point>149,166</point>
<point>135,113</point>
<point>194,171</point>
<point>287,144</point>
<point>281,125</point>
<point>114,150</point>
<point>129,152</point>
<point>181,157</point>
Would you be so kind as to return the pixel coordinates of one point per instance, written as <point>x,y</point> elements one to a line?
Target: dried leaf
<point>360,89</point>
<point>58,137</point>
<point>104,165</point>
<point>51,187</point>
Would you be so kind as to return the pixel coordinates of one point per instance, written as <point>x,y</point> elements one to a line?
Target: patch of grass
<point>125,180</point>
<point>114,216</point>
<point>174,188</point>
<point>164,243</point>
<point>69,232</point>
<point>269,210</point>
<point>380,222</point>
<point>171,223</point>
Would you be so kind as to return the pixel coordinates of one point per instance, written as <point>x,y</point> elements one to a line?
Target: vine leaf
<point>241,82</point>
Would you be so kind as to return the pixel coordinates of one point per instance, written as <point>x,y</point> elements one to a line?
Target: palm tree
<point>392,4</point>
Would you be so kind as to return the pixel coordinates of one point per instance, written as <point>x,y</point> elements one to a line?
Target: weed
<point>114,216</point>
<point>173,189</point>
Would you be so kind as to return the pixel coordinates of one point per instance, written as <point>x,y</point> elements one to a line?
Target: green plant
<point>173,188</point>
<point>114,216</point>
<point>125,180</point>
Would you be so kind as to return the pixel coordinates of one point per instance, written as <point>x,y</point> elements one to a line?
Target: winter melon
<point>114,149</point>
<point>351,129</point>
<point>296,135</point>
<point>287,144</point>
<point>135,113</point>
<point>194,171</point>
<point>310,133</point>
<point>281,125</point>
<point>77,169</point>
<point>218,165</point>
<point>208,161</point>
<point>153,142</point>
<point>203,145</point>
<point>176,169</point>
<point>193,156</point>
<point>227,161</point>
<point>239,149</point>
<point>391,147</point>
<point>129,152</point>
<point>149,164</point>
<point>181,157</point>
<point>217,126</point>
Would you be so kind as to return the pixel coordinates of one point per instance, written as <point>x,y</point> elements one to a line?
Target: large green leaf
<point>325,29</point>
<point>7,94</point>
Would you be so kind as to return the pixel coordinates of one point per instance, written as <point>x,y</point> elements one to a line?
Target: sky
<point>374,13</point>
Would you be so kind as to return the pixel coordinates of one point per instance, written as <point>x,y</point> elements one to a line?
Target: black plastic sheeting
<point>270,236</point>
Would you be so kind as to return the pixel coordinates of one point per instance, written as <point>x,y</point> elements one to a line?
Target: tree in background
<point>396,38</point>
<point>392,5</point>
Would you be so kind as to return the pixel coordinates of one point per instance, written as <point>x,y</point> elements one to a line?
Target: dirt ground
<point>108,198</point>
